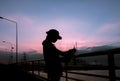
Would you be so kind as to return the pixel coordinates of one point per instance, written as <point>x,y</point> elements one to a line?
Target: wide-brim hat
<point>54,32</point>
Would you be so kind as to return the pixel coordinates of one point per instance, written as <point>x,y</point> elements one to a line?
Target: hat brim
<point>59,37</point>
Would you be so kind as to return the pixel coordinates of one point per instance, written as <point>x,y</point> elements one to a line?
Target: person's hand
<point>70,54</point>
<point>72,50</point>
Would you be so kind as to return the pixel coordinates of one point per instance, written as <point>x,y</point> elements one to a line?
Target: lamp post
<point>16,35</point>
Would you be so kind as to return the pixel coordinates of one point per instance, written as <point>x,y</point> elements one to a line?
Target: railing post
<point>74,61</point>
<point>32,67</point>
<point>38,67</point>
<point>66,67</point>
<point>111,67</point>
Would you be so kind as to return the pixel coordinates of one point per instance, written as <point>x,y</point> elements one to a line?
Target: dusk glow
<point>85,22</point>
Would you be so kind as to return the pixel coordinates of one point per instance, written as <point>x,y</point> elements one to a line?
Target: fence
<point>38,65</point>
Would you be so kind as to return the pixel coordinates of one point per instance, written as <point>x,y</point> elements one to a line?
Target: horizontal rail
<point>95,75</point>
<point>98,53</point>
<point>102,76</point>
<point>73,78</point>
<point>92,67</point>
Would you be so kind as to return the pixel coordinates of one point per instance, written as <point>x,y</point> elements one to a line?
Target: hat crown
<point>53,31</point>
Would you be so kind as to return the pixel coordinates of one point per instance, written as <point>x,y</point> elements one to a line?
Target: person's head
<point>53,35</point>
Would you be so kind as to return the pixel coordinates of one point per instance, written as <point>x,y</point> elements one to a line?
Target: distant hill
<point>98,48</point>
<point>31,55</point>
<point>99,59</point>
<point>34,55</point>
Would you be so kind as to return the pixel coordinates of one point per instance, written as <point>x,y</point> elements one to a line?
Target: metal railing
<point>38,65</point>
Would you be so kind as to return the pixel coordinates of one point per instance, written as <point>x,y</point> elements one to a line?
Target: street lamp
<point>11,56</point>
<point>16,36</point>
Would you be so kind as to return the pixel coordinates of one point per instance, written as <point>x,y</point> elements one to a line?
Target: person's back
<point>51,55</point>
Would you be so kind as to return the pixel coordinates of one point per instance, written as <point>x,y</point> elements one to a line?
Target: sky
<point>84,23</point>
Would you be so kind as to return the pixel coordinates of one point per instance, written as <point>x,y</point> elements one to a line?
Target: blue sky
<point>87,22</point>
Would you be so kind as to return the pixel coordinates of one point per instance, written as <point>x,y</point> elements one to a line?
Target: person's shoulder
<point>45,42</point>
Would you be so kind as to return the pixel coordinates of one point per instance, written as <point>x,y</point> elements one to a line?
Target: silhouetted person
<point>52,55</point>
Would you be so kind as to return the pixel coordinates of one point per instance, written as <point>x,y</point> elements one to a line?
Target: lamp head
<point>3,41</point>
<point>1,18</point>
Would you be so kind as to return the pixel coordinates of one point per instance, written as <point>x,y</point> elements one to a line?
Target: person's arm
<point>66,53</point>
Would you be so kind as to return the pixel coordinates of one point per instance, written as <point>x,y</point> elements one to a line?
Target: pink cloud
<point>22,20</point>
<point>109,27</point>
<point>1,47</point>
<point>69,24</point>
<point>4,48</point>
<point>28,46</point>
<point>35,30</point>
<point>98,40</point>
<point>26,21</point>
<point>105,34</point>
<point>67,30</point>
<point>71,43</point>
